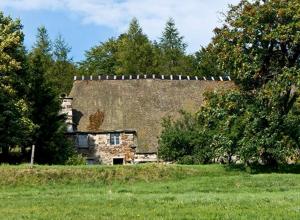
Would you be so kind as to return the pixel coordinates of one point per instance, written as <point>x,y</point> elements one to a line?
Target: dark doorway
<point>118,161</point>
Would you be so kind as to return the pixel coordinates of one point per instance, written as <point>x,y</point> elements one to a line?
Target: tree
<point>15,125</point>
<point>134,54</point>
<point>61,50</point>
<point>258,40</point>
<point>205,63</point>
<point>101,59</point>
<point>43,46</point>
<point>176,138</point>
<point>63,69</point>
<point>258,46</point>
<point>172,50</point>
<point>49,139</point>
<point>171,39</point>
<point>51,144</point>
<point>211,134</point>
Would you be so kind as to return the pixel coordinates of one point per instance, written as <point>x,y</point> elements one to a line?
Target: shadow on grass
<point>258,168</point>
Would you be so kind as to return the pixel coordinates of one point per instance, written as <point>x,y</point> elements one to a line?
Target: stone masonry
<point>101,151</point>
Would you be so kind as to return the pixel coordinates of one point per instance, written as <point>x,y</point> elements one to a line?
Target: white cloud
<point>195,19</point>
<point>31,4</point>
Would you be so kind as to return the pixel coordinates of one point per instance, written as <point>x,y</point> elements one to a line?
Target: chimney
<point>66,109</point>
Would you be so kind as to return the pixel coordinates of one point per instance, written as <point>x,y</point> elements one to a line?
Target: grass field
<point>146,192</point>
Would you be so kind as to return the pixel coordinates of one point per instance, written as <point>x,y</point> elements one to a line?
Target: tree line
<point>258,122</point>
<point>133,53</point>
<point>29,96</point>
<point>32,81</point>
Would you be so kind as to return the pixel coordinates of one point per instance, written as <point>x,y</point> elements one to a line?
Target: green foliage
<point>43,47</point>
<point>205,63</point>
<point>101,59</point>
<point>11,45</point>
<point>172,57</point>
<point>76,159</point>
<point>133,53</point>
<point>59,68</point>
<point>182,141</point>
<point>15,125</point>
<point>61,50</point>
<point>258,40</point>
<point>51,145</point>
<point>62,69</point>
<point>259,47</point>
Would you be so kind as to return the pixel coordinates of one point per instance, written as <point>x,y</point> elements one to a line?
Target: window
<point>115,138</point>
<point>82,141</point>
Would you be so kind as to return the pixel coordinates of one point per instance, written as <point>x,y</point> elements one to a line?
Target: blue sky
<point>85,23</point>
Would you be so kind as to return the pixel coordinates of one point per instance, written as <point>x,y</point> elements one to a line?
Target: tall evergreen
<point>171,39</point>
<point>172,49</point>
<point>51,145</point>
<point>63,69</point>
<point>134,54</point>
<point>61,50</point>
<point>43,46</point>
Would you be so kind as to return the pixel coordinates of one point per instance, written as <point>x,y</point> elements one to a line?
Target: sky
<point>86,23</point>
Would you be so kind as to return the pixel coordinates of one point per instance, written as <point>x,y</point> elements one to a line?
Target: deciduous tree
<point>15,125</point>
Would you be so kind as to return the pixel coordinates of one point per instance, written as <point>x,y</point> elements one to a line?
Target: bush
<point>76,159</point>
<point>187,159</point>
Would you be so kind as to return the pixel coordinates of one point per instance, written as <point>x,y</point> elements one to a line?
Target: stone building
<point>117,120</point>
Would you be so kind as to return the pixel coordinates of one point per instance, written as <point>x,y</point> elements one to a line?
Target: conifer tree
<point>51,145</point>
<point>43,46</point>
<point>173,50</point>
<point>134,54</point>
<point>63,68</point>
<point>61,50</point>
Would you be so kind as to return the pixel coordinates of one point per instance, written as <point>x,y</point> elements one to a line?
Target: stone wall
<point>100,150</point>
<point>145,158</point>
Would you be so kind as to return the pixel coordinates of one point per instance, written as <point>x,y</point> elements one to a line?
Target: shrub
<point>76,159</point>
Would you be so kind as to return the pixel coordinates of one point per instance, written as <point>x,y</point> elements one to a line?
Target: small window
<point>82,141</point>
<point>114,138</point>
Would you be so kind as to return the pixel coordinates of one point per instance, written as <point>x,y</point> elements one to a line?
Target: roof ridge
<point>153,76</point>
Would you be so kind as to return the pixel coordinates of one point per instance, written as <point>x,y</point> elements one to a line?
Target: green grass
<point>146,192</point>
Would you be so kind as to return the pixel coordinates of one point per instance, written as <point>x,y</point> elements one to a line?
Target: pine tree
<point>134,54</point>
<point>63,68</point>
<point>51,145</point>
<point>171,39</point>
<point>172,49</point>
<point>61,50</point>
<point>43,46</point>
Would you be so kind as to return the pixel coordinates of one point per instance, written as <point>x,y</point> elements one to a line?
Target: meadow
<point>147,192</point>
